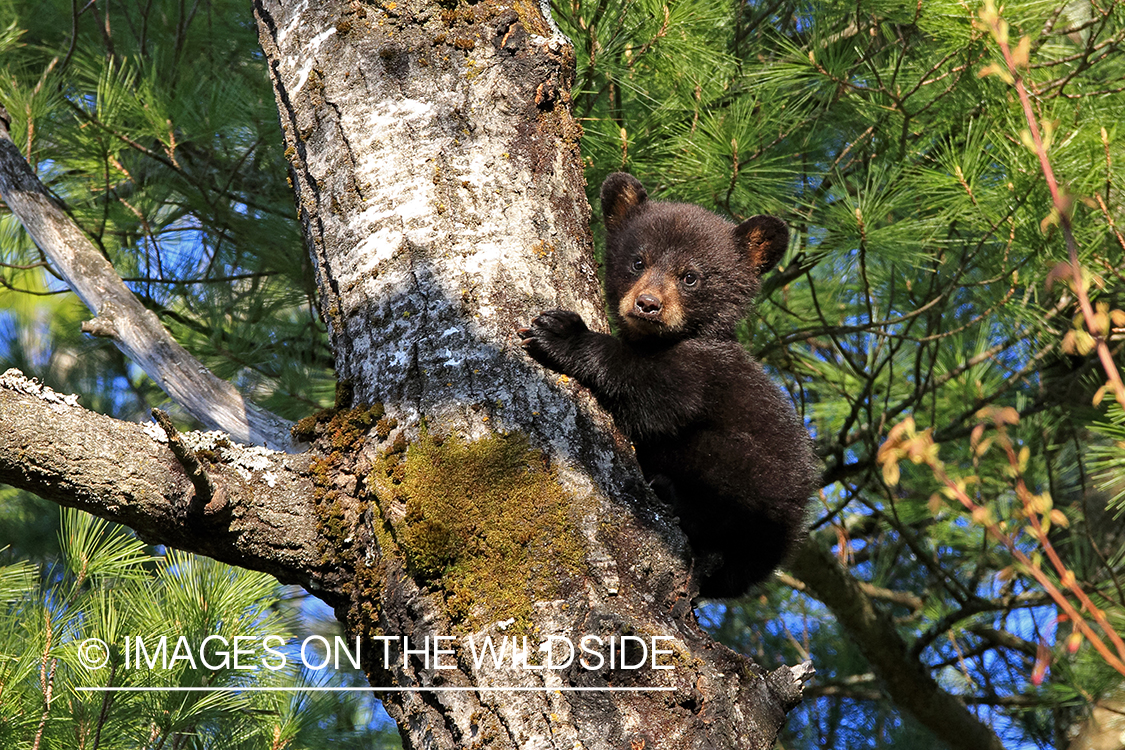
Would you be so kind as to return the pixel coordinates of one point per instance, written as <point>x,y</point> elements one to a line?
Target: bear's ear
<point>764,240</point>
<point>620,193</point>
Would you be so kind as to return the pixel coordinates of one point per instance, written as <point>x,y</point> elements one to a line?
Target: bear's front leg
<point>557,339</point>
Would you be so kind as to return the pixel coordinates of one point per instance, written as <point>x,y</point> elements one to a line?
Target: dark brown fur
<point>713,434</point>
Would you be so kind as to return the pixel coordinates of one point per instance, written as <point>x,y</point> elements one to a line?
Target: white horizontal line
<point>487,688</point>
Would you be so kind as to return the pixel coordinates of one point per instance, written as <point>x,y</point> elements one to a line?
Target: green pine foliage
<point>919,284</point>
<point>108,586</point>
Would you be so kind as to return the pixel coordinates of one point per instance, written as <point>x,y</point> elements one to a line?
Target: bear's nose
<point>648,304</point>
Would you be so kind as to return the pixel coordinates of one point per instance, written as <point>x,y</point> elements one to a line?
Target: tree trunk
<point>457,491</point>
<point>440,185</point>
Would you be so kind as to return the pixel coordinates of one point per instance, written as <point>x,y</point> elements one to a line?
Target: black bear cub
<point>714,436</point>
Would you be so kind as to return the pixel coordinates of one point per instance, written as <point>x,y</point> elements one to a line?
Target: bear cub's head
<point>674,270</point>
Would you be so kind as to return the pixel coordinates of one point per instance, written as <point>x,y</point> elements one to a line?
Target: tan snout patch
<point>662,287</point>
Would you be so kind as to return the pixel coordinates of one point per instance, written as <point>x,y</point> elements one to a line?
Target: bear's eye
<point>638,265</point>
<point>690,279</point>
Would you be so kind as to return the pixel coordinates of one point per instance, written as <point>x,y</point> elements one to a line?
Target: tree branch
<point>126,473</point>
<point>905,680</point>
<point>120,316</point>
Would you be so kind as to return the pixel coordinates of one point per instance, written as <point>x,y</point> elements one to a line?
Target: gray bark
<point>125,472</point>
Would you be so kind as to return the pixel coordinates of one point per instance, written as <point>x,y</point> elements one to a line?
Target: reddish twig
<point>999,28</point>
<point>904,442</point>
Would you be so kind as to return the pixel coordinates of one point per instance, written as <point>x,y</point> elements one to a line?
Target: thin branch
<point>120,316</point>
<point>205,489</point>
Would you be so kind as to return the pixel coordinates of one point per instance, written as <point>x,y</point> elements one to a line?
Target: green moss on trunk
<point>485,521</point>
